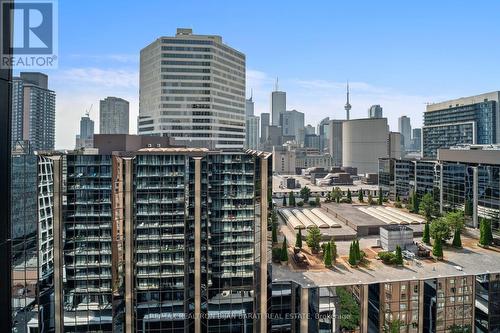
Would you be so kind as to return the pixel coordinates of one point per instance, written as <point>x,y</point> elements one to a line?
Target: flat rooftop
<point>471,260</point>
<point>277,179</point>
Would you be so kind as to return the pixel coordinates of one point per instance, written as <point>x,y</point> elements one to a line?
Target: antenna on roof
<point>276,86</point>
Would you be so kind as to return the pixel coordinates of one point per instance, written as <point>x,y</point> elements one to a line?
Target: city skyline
<point>382,67</point>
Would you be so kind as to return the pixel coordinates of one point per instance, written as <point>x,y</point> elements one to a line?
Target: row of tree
<point>305,195</point>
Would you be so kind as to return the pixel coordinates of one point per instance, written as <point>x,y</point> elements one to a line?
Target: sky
<point>399,54</point>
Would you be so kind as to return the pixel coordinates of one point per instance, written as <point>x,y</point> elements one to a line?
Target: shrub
<point>300,203</point>
<point>312,203</point>
<point>284,251</point>
<point>276,254</point>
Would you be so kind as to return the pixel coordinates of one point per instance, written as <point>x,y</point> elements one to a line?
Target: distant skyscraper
<point>467,120</point>
<point>323,134</point>
<point>278,106</point>
<point>252,126</point>
<point>347,106</point>
<point>86,137</point>
<point>375,111</point>
<point>404,127</point>
<point>417,139</point>
<point>293,122</point>
<point>335,141</point>
<point>33,111</point>
<point>192,87</point>
<point>309,129</point>
<point>114,116</point>
<point>264,126</point>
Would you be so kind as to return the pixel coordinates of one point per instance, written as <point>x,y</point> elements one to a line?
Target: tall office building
<point>323,134</point>
<point>375,111</point>
<point>264,126</point>
<point>33,111</point>
<point>278,106</point>
<point>309,129</point>
<point>192,88</point>
<point>249,107</point>
<point>335,141</point>
<point>467,120</point>
<point>160,239</point>
<point>293,122</point>
<point>86,137</point>
<point>417,139</point>
<point>404,127</point>
<point>252,132</point>
<point>113,116</point>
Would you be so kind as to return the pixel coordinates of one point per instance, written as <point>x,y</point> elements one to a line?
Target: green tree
<point>318,201</point>
<point>380,200</point>
<point>334,250</point>
<point>370,199</point>
<point>298,240</point>
<point>291,199</point>
<point>427,207</point>
<point>284,251</point>
<point>284,201</point>
<point>437,249</point>
<point>426,238</point>
<point>413,202</point>
<point>360,195</point>
<point>486,236</point>
<point>399,255</point>
<point>313,238</point>
<point>440,229</point>
<point>305,193</point>
<point>349,310</point>
<point>457,240</point>
<point>393,326</point>
<point>327,255</point>
<point>352,256</point>
<point>456,221</point>
<point>349,196</point>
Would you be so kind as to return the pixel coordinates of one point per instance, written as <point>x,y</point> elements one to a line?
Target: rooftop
<point>471,260</point>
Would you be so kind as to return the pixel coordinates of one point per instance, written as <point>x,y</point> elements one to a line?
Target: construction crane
<point>87,112</point>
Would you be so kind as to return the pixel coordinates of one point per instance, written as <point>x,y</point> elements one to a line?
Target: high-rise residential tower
<point>375,111</point>
<point>335,141</point>
<point>467,120</point>
<point>86,137</point>
<point>33,111</point>
<point>114,116</point>
<point>404,127</point>
<point>192,88</point>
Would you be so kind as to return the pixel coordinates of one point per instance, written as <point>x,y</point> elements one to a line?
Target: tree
<point>318,202</point>
<point>437,249</point>
<point>334,250</point>
<point>298,240</point>
<point>305,193</point>
<point>349,196</point>
<point>413,203</point>
<point>313,238</point>
<point>370,199</point>
<point>275,233</point>
<point>398,202</point>
<point>486,236</point>
<point>380,200</point>
<point>349,310</point>
<point>352,256</point>
<point>284,251</point>
<point>426,238</point>
<point>393,326</point>
<point>440,229</point>
<point>456,221</point>
<point>399,256</point>
<point>457,240</point>
<point>284,201</point>
<point>327,255</point>
<point>291,199</point>
<point>360,195</point>
<point>427,207</point>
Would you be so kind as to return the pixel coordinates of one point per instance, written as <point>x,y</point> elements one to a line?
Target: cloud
<point>122,78</point>
<point>120,58</point>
